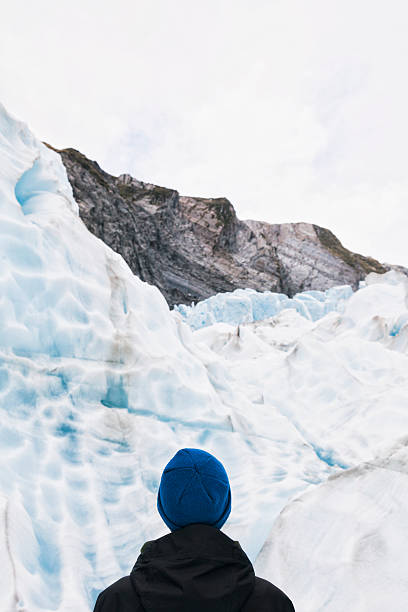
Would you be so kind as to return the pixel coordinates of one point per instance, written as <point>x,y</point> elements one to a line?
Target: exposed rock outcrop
<point>192,248</point>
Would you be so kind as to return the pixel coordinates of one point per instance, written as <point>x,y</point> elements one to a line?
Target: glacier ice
<point>100,384</point>
<point>345,534</point>
<point>248,305</point>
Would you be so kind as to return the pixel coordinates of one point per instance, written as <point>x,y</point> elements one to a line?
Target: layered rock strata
<point>192,248</point>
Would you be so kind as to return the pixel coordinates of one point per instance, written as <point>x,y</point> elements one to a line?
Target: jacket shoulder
<point>118,597</point>
<point>266,597</point>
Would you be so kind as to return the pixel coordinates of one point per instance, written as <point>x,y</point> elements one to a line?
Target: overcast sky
<point>296,110</point>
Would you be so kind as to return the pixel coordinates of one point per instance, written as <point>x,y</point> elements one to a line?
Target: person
<point>196,567</point>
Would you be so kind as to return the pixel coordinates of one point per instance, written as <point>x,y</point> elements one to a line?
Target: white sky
<point>296,110</point>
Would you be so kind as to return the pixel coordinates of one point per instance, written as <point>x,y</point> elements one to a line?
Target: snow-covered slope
<point>100,384</point>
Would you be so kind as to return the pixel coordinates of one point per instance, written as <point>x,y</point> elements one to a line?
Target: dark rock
<point>192,248</point>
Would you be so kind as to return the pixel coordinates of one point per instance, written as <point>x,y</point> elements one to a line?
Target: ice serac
<point>192,248</point>
<point>247,306</point>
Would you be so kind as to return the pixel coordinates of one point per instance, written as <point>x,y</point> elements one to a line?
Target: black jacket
<point>194,569</point>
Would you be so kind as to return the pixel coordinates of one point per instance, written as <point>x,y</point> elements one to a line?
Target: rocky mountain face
<point>192,248</point>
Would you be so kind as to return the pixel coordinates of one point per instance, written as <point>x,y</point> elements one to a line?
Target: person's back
<point>196,567</point>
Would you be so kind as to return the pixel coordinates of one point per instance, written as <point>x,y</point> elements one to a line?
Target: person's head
<point>194,488</point>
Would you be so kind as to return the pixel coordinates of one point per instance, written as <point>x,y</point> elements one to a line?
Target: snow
<point>100,384</point>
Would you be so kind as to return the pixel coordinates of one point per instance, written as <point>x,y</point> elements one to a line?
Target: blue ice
<point>248,305</point>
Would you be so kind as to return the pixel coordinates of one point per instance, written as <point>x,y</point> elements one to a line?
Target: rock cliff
<point>192,248</point>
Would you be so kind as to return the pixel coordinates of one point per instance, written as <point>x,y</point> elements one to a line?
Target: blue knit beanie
<point>194,488</point>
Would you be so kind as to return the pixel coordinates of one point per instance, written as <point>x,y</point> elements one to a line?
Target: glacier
<point>304,400</point>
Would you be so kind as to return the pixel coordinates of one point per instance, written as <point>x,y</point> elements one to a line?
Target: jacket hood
<point>197,568</point>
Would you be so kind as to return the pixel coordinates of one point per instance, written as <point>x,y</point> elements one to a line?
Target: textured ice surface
<point>343,545</point>
<point>100,384</point>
